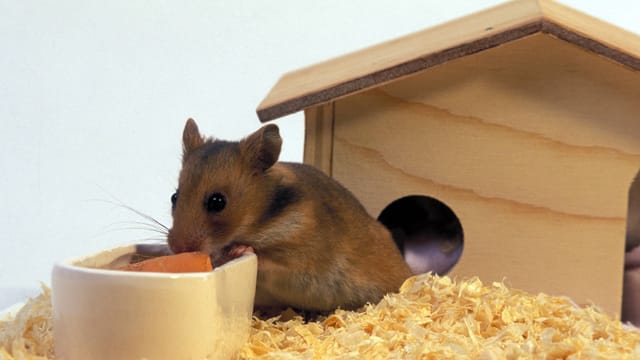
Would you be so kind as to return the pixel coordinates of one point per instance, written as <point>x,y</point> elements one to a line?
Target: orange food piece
<point>179,263</point>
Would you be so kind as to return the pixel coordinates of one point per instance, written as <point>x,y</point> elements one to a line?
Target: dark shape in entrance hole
<point>427,232</point>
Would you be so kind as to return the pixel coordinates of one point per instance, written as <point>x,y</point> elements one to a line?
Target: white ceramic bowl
<point>110,314</point>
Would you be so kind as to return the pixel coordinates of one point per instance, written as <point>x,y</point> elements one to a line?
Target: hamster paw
<point>238,250</point>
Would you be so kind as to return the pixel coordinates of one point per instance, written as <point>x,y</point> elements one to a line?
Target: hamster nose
<point>180,247</point>
<point>180,244</point>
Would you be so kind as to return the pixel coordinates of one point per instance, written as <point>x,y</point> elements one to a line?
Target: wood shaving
<point>438,318</point>
<point>29,335</point>
<point>431,317</point>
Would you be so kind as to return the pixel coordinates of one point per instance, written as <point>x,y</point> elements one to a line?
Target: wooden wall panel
<point>532,248</point>
<point>533,144</point>
<point>318,137</point>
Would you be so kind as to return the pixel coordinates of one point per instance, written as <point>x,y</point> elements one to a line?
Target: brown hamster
<point>317,247</point>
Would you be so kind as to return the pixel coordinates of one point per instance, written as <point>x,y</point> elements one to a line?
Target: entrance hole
<point>631,285</point>
<point>427,232</point>
<point>633,215</point>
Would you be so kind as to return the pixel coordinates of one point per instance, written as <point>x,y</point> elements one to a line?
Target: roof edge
<point>345,75</point>
<point>396,72</point>
<point>597,47</point>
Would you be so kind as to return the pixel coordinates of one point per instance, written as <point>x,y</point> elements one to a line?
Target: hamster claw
<point>231,252</point>
<point>239,250</point>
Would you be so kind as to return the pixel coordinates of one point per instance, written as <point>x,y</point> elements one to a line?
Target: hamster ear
<point>191,137</point>
<point>262,148</point>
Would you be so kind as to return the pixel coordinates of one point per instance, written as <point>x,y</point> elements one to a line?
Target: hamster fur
<point>317,247</point>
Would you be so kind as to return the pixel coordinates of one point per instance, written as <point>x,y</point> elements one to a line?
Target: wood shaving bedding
<point>29,336</point>
<point>430,318</point>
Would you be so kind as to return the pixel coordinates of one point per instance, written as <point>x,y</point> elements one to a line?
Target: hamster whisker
<point>154,236</point>
<point>145,216</point>
<point>150,239</point>
<point>139,225</point>
<point>136,211</point>
<point>140,228</point>
<point>121,229</point>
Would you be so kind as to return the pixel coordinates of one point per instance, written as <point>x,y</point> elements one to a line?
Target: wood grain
<point>533,144</point>
<point>318,137</point>
<point>526,246</point>
<point>591,33</point>
<point>408,55</point>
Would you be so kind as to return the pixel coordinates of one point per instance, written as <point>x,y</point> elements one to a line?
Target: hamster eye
<point>215,202</point>
<point>174,199</point>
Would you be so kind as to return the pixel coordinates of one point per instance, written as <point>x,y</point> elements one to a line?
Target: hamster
<point>427,232</point>
<point>317,247</point>
<point>430,252</point>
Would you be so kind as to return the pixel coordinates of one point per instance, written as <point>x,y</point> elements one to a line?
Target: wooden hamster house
<point>524,119</point>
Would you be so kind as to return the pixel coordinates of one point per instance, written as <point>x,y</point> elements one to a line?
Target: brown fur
<point>317,247</point>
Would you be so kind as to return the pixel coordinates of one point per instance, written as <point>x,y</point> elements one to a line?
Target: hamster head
<point>220,189</point>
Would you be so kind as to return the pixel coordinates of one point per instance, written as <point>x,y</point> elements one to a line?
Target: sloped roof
<point>404,56</point>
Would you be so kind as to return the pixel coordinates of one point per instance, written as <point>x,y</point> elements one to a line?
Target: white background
<point>94,95</point>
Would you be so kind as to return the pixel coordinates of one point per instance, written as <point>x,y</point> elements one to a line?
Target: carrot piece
<point>179,263</point>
